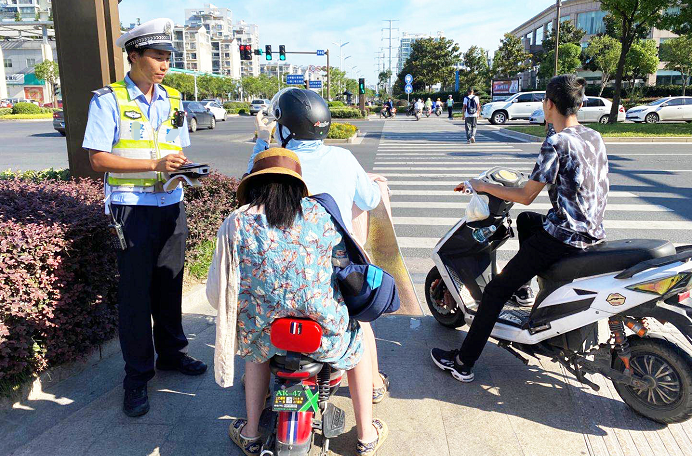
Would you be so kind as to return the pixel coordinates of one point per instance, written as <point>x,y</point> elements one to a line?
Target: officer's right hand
<point>170,162</point>
<point>265,127</point>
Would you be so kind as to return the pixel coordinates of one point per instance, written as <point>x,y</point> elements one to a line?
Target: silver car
<point>258,105</point>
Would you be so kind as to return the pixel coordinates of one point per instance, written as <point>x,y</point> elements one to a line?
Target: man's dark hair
<point>470,91</point>
<point>281,197</point>
<point>139,51</point>
<point>567,92</point>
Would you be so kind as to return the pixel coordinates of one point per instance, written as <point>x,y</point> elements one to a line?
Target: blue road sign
<point>295,79</point>
<point>320,52</point>
<point>408,79</point>
<point>408,88</point>
<point>315,84</point>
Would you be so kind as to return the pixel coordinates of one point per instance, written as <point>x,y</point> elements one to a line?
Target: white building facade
<point>29,10</point>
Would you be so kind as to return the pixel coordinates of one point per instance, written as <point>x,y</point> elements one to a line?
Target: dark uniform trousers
<point>151,286</point>
<point>538,250</point>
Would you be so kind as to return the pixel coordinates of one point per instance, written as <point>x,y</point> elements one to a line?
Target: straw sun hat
<point>272,161</point>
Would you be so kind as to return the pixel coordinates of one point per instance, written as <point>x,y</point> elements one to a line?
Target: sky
<point>312,25</point>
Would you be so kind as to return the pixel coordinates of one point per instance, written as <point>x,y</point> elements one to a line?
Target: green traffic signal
<point>361,86</point>
<point>282,52</point>
<point>268,51</point>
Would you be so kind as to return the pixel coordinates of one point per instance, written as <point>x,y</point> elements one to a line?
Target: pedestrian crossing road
<point>424,160</point>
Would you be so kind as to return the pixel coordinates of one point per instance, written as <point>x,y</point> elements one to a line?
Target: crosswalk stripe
<point>497,154</point>
<point>451,192</point>
<point>608,224</point>
<point>519,207</point>
<point>511,245</point>
<point>433,168</point>
<point>493,162</point>
<point>431,175</point>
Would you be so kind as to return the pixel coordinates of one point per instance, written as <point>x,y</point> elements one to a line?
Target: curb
<point>631,139</point>
<point>525,137</point>
<point>28,120</point>
<point>194,297</point>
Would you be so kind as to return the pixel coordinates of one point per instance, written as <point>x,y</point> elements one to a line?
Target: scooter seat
<point>607,257</point>
<point>306,365</point>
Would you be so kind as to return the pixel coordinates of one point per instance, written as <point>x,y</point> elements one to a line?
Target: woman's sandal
<point>370,448</point>
<point>378,393</point>
<point>251,447</point>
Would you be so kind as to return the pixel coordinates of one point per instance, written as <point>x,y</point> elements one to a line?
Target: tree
<point>383,79</point>
<point>678,53</point>
<point>641,61</point>
<point>511,58</point>
<point>17,16</point>
<point>678,18</point>
<point>631,17</point>
<point>184,83</point>
<point>431,62</point>
<point>49,72</point>
<point>602,55</point>
<point>476,72</point>
<point>568,61</point>
<point>568,34</point>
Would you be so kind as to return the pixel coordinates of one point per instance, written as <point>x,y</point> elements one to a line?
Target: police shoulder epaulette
<point>102,91</point>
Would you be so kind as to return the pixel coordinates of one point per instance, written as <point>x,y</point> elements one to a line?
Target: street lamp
<point>341,48</point>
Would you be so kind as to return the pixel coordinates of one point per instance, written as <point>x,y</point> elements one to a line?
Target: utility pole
<point>390,28</point>
<point>341,55</point>
<point>558,6</point>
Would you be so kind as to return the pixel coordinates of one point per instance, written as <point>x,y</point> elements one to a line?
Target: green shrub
<point>341,131</point>
<point>232,107</point>
<point>5,111</point>
<point>346,113</point>
<point>26,108</point>
<point>243,111</point>
<point>336,104</point>
<point>37,176</point>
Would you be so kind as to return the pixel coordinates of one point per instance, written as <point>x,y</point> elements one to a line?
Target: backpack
<point>471,105</point>
<point>368,291</point>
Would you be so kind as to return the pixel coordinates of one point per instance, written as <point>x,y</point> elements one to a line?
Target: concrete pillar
<point>85,32</point>
<point>3,85</point>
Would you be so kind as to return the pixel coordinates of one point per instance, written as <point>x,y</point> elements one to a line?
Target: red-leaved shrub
<point>207,206</point>
<point>58,274</point>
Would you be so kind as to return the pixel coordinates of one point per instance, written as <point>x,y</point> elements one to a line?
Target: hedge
<point>336,104</point>
<point>346,113</point>
<point>658,91</point>
<point>232,107</point>
<point>26,108</point>
<point>341,131</point>
<point>5,111</point>
<point>58,274</point>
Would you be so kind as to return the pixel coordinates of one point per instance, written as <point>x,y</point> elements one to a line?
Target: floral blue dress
<point>289,273</point>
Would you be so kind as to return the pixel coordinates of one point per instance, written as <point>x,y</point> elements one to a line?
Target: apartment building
<point>407,40</point>
<point>245,33</point>
<point>20,57</point>
<point>588,16</point>
<point>29,10</point>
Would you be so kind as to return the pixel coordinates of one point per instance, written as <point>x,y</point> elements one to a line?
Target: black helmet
<point>303,112</point>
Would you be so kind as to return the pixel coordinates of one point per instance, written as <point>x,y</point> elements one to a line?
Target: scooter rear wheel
<point>668,368</point>
<point>451,318</point>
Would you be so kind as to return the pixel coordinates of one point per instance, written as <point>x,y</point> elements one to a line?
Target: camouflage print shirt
<point>574,164</point>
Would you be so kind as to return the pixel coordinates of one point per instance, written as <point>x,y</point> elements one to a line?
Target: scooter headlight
<point>663,286</point>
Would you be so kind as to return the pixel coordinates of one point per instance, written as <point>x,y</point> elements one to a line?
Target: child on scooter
<point>573,164</point>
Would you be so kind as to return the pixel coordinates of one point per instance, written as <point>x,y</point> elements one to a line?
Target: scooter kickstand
<point>506,346</point>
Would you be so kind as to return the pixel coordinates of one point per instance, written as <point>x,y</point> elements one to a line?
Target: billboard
<point>504,88</point>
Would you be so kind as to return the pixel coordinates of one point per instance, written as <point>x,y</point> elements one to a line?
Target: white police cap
<point>154,34</point>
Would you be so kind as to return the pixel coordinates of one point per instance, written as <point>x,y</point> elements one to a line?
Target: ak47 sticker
<point>616,299</point>
<point>133,114</point>
<point>298,398</point>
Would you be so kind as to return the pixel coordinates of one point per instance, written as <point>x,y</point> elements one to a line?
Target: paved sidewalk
<point>510,409</point>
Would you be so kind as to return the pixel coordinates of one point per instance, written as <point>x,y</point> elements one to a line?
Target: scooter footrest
<point>333,421</point>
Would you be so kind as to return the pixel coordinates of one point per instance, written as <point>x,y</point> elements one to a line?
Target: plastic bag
<point>477,208</point>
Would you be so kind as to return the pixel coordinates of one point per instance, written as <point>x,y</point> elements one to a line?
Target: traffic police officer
<point>136,137</point>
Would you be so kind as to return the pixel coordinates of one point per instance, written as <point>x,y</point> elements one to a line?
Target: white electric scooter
<point>624,282</point>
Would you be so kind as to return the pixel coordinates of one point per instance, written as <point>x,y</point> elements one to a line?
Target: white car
<point>216,109</point>
<point>518,106</point>
<point>668,108</point>
<point>258,105</point>
<point>594,109</point>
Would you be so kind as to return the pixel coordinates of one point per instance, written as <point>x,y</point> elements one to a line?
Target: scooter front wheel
<point>668,371</point>
<point>435,291</point>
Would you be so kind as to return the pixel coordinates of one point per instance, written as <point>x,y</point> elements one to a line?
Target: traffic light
<point>361,86</point>
<point>258,51</point>
<point>282,52</point>
<point>268,51</point>
<point>245,52</point>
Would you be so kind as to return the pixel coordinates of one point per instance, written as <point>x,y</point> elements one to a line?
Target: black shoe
<point>447,360</point>
<point>523,296</point>
<point>136,401</point>
<point>185,365</point>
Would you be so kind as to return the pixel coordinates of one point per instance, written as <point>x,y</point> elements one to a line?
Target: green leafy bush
<point>346,113</point>
<point>26,108</point>
<point>37,176</point>
<point>341,131</point>
<point>336,104</point>
<point>232,107</point>
<point>5,111</point>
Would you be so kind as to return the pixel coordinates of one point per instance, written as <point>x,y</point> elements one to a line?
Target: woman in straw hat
<point>273,259</point>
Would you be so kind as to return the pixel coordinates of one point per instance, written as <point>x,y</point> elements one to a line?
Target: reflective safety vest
<point>138,139</point>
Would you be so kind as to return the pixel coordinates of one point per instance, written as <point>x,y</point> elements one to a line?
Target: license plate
<point>297,398</point>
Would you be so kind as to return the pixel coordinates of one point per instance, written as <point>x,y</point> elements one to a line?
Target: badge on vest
<point>133,114</point>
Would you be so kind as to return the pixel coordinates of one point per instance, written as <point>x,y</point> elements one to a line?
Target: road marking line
<point>484,162</point>
<point>451,192</point>
<point>433,168</point>
<point>430,175</point>
<point>429,243</point>
<point>639,207</point>
<point>608,224</point>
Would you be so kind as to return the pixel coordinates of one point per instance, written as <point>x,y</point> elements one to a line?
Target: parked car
<point>59,122</point>
<point>216,109</point>
<point>6,103</point>
<point>55,104</point>
<point>663,109</point>
<point>594,109</point>
<point>258,105</point>
<point>198,116</point>
<point>518,106</point>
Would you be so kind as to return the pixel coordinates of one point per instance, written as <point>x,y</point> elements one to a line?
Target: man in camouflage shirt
<point>574,165</point>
